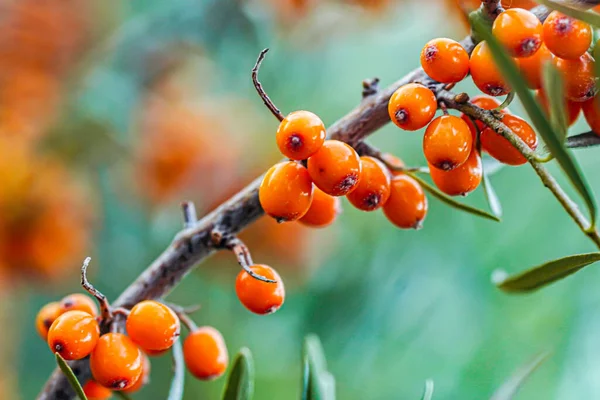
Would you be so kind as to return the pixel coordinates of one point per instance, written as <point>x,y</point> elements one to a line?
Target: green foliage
<point>509,389</point>
<point>590,17</point>
<point>428,391</point>
<point>318,383</point>
<point>177,383</point>
<point>555,93</point>
<point>240,382</point>
<point>62,364</point>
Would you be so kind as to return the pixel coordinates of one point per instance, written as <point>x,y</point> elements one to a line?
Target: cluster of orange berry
<point>119,362</point>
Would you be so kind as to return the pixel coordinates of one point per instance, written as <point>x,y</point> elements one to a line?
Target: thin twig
<point>189,214</point>
<point>370,87</point>
<point>259,88</point>
<point>492,8</point>
<point>104,304</point>
<point>583,140</point>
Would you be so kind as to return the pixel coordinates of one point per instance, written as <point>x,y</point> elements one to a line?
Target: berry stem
<point>102,301</point>
<point>259,88</point>
<point>509,99</point>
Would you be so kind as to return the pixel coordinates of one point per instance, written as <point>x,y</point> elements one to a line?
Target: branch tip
<point>260,90</point>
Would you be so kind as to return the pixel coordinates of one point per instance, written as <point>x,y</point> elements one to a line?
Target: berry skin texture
<point>144,379</point>
<point>258,296</point>
<point>407,206</point>
<point>116,362</point>
<point>520,31</point>
<point>573,108</point>
<point>447,142</point>
<point>78,301</point>
<point>374,187</point>
<point>412,107</point>
<point>73,335</point>
<point>153,326</point>
<point>566,37</point>
<point>94,391</point>
<point>459,181</point>
<point>45,317</point>
<point>579,77</point>
<point>501,149</point>
<point>591,112</point>
<point>531,67</point>
<point>300,135</point>
<point>487,103</point>
<point>445,60</point>
<point>335,168</point>
<point>286,191</point>
<point>205,353</point>
<point>484,72</point>
<point>323,211</point>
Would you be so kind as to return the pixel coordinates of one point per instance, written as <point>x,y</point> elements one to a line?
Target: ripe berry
<point>579,76</point>
<point>447,142</point>
<point>519,30</point>
<point>205,353</point>
<point>335,168</point>
<point>573,108</point>
<point>531,67</point>
<point>591,112</point>
<point>374,187</point>
<point>94,391</point>
<point>152,325</point>
<point>78,301</point>
<point>412,107</point>
<point>300,135</point>
<point>286,191</point>
<point>459,181</point>
<point>45,318</point>
<point>323,210</point>
<point>116,362</point>
<point>487,103</point>
<point>484,72</point>
<point>144,378</point>
<point>73,335</point>
<point>407,206</point>
<point>445,60</point>
<point>566,37</point>
<point>501,149</point>
<point>258,296</point>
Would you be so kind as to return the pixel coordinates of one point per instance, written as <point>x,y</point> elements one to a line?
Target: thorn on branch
<point>189,214</point>
<point>104,305</point>
<point>370,87</point>
<point>259,88</point>
<point>461,98</point>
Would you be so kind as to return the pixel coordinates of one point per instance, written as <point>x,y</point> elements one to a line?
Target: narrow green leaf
<point>428,392</point>
<point>177,383</point>
<point>240,382</point>
<point>510,71</point>
<point>64,367</point>
<point>509,389</point>
<point>319,383</point>
<point>555,95</point>
<point>491,196</point>
<point>544,274</point>
<point>596,54</point>
<point>586,16</point>
<point>451,202</point>
<point>491,166</point>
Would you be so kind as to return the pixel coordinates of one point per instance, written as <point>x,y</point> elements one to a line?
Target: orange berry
<point>300,135</point>
<point>144,379</point>
<point>152,325</point>
<point>95,391</point>
<point>45,318</point>
<point>407,206</point>
<point>487,103</point>
<point>579,76</point>
<point>573,108</point>
<point>566,37</point>
<point>286,191</point>
<point>81,302</point>
<point>335,168</point>
<point>501,149</point>
<point>445,60</point>
<point>412,106</point>
<point>519,30</point>
<point>374,187</point>
<point>73,335</point>
<point>484,72</point>
<point>447,142</point>
<point>258,296</point>
<point>531,67</point>
<point>116,362</point>
<point>591,112</point>
<point>323,210</point>
<point>205,353</point>
<point>459,181</point>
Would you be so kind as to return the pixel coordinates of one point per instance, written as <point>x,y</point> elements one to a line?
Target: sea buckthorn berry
<point>519,30</point>
<point>591,112</point>
<point>152,325</point>
<point>407,206</point>
<point>116,362</point>
<point>45,318</point>
<point>205,353</point>
<point>485,74</point>
<point>335,168</point>
<point>144,379</point>
<point>323,210</point>
<point>95,391</point>
<point>73,335</point>
<point>374,187</point>
<point>445,60</point>
<point>286,191</point>
<point>501,149</point>
<point>578,75</point>
<point>412,106</point>
<point>78,301</point>
<point>572,108</point>
<point>531,67</point>
<point>461,180</point>
<point>300,135</point>
<point>566,37</point>
<point>258,296</point>
<point>487,103</point>
<point>447,142</point>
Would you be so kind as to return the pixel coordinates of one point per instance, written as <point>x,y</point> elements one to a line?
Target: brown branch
<point>104,304</point>
<point>583,140</point>
<point>189,214</point>
<point>259,88</point>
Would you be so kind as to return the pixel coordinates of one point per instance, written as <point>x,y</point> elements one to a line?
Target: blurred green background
<point>139,105</point>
